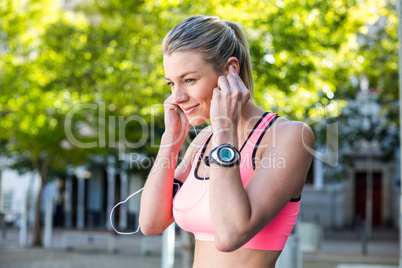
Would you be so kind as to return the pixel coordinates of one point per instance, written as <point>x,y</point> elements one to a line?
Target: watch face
<point>226,154</point>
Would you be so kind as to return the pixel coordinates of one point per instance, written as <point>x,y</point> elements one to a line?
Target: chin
<point>197,121</point>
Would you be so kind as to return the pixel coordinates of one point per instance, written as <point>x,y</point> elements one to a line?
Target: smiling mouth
<point>189,110</point>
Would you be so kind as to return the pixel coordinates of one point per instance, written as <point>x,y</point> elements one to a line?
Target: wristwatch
<point>225,155</point>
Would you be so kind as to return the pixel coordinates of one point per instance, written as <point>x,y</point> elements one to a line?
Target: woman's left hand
<point>227,102</point>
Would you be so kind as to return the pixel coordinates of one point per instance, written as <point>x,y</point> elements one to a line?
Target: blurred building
<point>88,195</point>
<point>18,195</point>
<point>83,200</point>
<point>345,202</point>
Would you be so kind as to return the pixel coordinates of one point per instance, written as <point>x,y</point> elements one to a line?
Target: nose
<point>179,95</point>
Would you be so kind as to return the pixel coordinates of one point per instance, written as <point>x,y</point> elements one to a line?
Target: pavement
<point>341,249</point>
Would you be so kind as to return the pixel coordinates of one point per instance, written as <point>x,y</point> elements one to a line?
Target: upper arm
<point>276,181</point>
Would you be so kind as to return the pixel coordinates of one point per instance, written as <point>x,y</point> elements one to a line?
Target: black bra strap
<point>176,186</point>
<point>260,138</point>
<point>295,199</point>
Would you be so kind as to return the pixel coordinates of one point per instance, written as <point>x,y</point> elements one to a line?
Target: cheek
<point>205,90</point>
<point>205,93</point>
<point>207,97</point>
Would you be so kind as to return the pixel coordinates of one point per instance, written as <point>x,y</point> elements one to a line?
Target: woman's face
<point>192,81</point>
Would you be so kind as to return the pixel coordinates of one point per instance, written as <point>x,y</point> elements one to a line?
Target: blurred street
<point>337,248</point>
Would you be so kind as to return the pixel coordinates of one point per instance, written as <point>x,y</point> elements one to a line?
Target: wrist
<point>172,140</point>
<point>225,137</point>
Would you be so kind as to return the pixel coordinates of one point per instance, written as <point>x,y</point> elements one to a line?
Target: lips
<point>190,109</point>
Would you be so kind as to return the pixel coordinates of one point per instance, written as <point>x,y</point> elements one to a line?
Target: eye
<point>189,80</point>
<point>170,84</point>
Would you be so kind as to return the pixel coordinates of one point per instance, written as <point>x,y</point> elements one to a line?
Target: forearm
<point>230,206</point>
<point>156,199</point>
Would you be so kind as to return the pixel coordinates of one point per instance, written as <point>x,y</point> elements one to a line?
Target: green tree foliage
<point>371,116</point>
<point>379,53</point>
<point>95,70</point>
<point>34,101</point>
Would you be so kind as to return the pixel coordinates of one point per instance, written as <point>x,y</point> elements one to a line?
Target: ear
<point>234,62</point>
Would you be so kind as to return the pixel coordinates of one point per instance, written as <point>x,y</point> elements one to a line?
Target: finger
<point>242,87</point>
<point>237,85</point>
<point>233,84</point>
<point>236,76</point>
<point>215,92</point>
<point>233,72</point>
<point>169,99</point>
<point>223,84</point>
<point>168,103</point>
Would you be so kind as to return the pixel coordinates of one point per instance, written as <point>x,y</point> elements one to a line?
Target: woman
<point>242,177</point>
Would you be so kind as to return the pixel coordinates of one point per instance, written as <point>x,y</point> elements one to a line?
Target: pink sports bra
<point>191,203</point>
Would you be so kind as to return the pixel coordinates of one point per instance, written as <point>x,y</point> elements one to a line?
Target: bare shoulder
<point>294,132</point>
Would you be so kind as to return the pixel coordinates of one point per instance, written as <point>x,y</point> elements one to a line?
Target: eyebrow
<point>184,74</point>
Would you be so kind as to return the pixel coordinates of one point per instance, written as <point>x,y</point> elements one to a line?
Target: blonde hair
<point>215,40</point>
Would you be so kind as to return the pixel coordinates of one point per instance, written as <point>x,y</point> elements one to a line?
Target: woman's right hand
<point>176,122</point>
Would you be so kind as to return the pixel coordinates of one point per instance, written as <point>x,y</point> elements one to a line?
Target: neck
<point>250,114</point>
